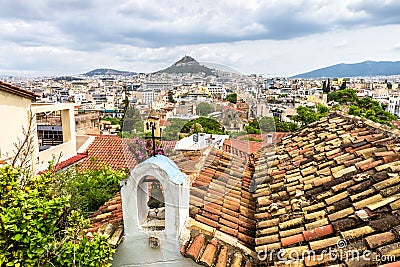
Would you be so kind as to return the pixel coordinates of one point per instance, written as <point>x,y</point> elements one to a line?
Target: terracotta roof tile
<point>195,247</point>
<point>346,189</point>
<point>109,215</point>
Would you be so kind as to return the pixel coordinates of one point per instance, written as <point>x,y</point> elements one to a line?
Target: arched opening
<point>151,204</point>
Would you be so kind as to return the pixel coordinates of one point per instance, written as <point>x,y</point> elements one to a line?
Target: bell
<point>156,196</point>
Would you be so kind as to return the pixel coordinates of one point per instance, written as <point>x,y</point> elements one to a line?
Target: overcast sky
<point>271,37</point>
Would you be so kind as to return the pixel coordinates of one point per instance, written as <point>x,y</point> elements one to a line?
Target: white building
<point>394,105</point>
<point>148,96</point>
<point>200,141</point>
<point>217,90</point>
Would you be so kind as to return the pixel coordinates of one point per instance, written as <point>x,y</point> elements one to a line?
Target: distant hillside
<point>105,72</point>
<point>187,64</point>
<point>366,68</point>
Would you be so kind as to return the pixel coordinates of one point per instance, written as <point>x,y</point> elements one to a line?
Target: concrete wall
<point>14,113</point>
<point>58,153</point>
<point>68,148</point>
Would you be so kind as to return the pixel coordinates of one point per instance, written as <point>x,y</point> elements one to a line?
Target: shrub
<point>38,228</point>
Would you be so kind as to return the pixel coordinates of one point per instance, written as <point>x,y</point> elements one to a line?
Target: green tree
<point>172,131</point>
<point>253,127</point>
<point>322,111</point>
<point>209,125</point>
<point>283,126</point>
<point>203,109</point>
<point>38,228</point>
<point>346,96</point>
<point>267,124</point>
<point>132,121</point>
<point>371,109</point>
<point>307,115</point>
<point>232,98</point>
<point>196,128</point>
<point>90,189</point>
<point>343,85</point>
<point>171,97</point>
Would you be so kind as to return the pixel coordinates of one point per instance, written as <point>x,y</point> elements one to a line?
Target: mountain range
<point>363,69</point>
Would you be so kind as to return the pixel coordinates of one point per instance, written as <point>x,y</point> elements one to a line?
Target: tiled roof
<point>113,151</point>
<point>334,183</point>
<point>276,136</point>
<point>208,251</point>
<point>221,198</point>
<point>242,146</point>
<point>108,220</point>
<point>247,147</point>
<point>187,161</point>
<point>17,91</point>
<point>110,150</point>
<point>68,162</point>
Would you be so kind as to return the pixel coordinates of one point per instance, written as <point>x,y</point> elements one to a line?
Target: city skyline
<point>265,37</point>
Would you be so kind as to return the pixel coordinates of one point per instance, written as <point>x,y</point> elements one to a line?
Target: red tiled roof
<point>396,124</point>
<point>245,146</point>
<point>207,251</point>
<point>68,162</point>
<point>276,136</point>
<point>113,151</point>
<point>335,179</point>
<point>221,198</point>
<point>17,91</point>
<point>109,150</point>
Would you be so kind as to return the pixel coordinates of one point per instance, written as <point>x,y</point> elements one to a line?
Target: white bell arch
<point>136,250</point>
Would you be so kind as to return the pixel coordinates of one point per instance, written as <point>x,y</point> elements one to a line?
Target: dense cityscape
<point>213,133</point>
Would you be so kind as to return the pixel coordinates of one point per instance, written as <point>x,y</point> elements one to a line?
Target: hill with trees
<point>187,64</point>
<point>108,72</point>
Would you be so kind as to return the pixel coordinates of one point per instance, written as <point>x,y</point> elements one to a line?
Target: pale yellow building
<point>15,111</point>
<point>19,126</point>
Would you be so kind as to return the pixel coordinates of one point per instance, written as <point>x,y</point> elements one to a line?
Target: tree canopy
<point>371,109</point>
<point>363,107</point>
<point>267,124</point>
<point>38,228</point>
<point>232,98</point>
<point>306,115</point>
<point>208,125</point>
<point>132,120</point>
<point>171,132</point>
<point>90,189</point>
<point>344,96</point>
<point>171,97</point>
<point>203,109</point>
<point>253,127</point>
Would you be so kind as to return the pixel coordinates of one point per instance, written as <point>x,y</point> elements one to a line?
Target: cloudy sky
<point>271,37</point>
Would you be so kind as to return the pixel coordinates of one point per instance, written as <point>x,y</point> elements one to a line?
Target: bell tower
<point>152,123</point>
<point>155,204</point>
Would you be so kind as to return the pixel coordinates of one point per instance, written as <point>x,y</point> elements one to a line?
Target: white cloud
<point>275,36</point>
